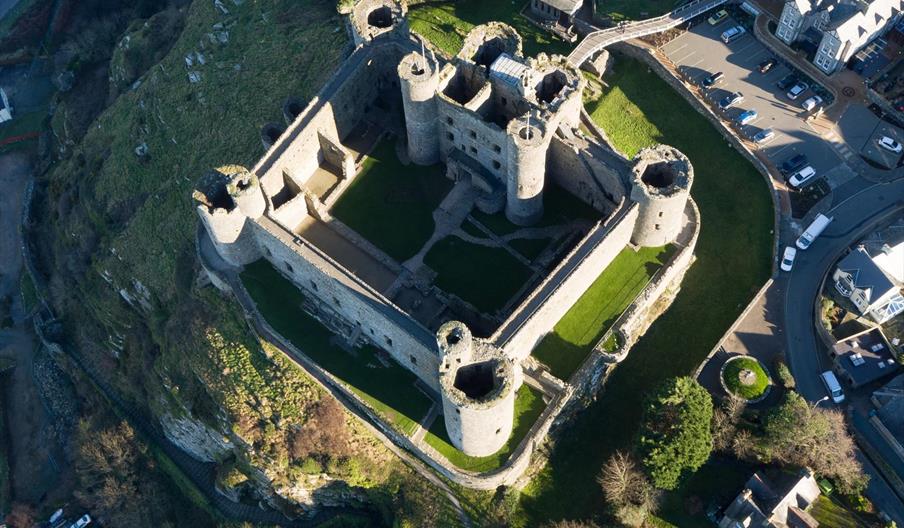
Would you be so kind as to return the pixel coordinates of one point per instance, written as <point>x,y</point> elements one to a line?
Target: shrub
<point>783,373</point>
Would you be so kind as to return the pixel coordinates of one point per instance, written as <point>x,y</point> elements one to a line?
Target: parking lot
<point>700,52</point>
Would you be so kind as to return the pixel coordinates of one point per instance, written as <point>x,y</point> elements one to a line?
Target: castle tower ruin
<point>419,78</point>
<point>226,198</point>
<point>478,385</point>
<point>660,184</point>
<point>528,143</point>
<point>372,19</point>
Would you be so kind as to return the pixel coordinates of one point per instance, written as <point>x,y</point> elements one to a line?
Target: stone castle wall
<point>597,184</point>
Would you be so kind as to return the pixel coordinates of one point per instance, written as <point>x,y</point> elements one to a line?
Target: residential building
<point>777,501</point>
<point>875,294</point>
<point>864,357</point>
<point>839,28</point>
<point>560,11</point>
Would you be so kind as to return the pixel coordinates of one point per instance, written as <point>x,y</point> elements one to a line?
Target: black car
<point>712,79</point>
<point>731,99</point>
<point>792,164</point>
<point>787,82</point>
<point>767,65</point>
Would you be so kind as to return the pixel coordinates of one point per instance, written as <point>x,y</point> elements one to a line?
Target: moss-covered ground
<point>389,389</point>
<point>573,337</point>
<point>447,23</point>
<point>391,204</point>
<point>733,252</point>
<point>528,406</point>
<point>619,10</point>
<point>732,379</point>
<point>486,277</point>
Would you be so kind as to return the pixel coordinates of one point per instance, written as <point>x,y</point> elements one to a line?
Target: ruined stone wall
<point>344,303</point>
<point>593,181</point>
<point>536,316</point>
<point>231,234</point>
<point>465,130</point>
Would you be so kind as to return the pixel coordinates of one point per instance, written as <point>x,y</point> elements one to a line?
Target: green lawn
<point>732,378</point>
<point>584,324</point>
<point>733,252</point>
<point>832,514</point>
<point>489,285</point>
<point>528,406</point>
<point>619,10</point>
<point>391,204</point>
<point>390,390</point>
<point>530,248</point>
<point>559,207</point>
<point>447,23</point>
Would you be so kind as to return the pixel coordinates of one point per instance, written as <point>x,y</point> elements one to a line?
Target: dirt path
<point>35,475</point>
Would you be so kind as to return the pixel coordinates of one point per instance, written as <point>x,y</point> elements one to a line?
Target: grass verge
<point>28,292</point>
<point>488,286</point>
<point>732,379</point>
<point>389,389</point>
<point>831,513</point>
<point>618,10</point>
<point>391,204</point>
<point>733,253</point>
<point>596,310</point>
<point>528,406</point>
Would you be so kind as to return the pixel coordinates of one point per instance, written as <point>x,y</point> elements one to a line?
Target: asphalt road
<point>853,217</point>
<point>700,52</point>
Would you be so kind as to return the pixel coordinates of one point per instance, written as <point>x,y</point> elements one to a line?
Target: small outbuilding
<point>561,11</point>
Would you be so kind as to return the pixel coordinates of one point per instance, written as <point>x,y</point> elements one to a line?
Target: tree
<point>21,516</point>
<point>571,524</point>
<point>324,433</point>
<point>797,434</point>
<point>675,433</point>
<point>627,490</point>
<point>725,423</point>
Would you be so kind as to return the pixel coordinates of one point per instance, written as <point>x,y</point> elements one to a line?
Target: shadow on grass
<point>388,387</point>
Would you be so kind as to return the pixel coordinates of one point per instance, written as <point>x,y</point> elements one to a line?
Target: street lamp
<point>817,402</point>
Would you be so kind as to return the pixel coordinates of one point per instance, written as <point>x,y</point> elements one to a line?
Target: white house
<point>874,293</point>
<point>840,27</point>
<point>777,502</point>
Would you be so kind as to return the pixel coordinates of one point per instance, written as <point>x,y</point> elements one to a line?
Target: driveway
<point>699,52</point>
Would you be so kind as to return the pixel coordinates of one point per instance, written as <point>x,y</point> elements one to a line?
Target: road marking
<point>689,55</point>
<point>696,63</point>
<point>751,43</point>
<point>780,150</point>
<point>674,50</point>
<point>762,49</point>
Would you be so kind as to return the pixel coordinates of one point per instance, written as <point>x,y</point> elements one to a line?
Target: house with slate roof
<point>874,292</point>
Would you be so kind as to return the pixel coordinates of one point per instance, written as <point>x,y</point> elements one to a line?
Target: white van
<point>733,34</point>
<point>832,386</point>
<point>816,228</point>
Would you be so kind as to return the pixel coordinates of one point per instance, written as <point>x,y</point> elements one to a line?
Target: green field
<point>732,380</point>
<point>618,10</point>
<point>391,204</point>
<point>584,324</point>
<point>831,513</point>
<point>528,406</point>
<point>488,286</point>
<point>390,389</point>
<point>447,23</point>
<point>733,252</point>
<point>559,207</point>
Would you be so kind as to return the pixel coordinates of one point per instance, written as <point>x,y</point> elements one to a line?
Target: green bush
<point>732,379</point>
<point>311,466</point>
<point>784,374</point>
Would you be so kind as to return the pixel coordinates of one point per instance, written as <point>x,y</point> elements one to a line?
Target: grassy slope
<point>619,10</point>
<point>389,389</point>
<point>528,406</point>
<point>392,205</point>
<point>594,312</point>
<point>734,254</point>
<point>487,286</point>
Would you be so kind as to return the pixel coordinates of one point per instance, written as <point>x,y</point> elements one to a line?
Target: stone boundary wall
<point>534,318</point>
<point>883,103</point>
<point>507,475</point>
<point>644,54</point>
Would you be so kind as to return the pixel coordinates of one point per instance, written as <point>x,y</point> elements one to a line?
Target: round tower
<point>225,198</point>
<point>371,19</point>
<point>526,152</point>
<point>660,184</point>
<point>419,78</point>
<point>478,384</point>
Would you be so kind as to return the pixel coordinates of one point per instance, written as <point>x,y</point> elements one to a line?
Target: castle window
<point>450,136</point>
<point>413,360</point>
<point>474,150</point>
<point>388,341</point>
<point>336,301</point>
<point>497,149</point>
<point>504,101</point>
<point>267,251</point>
<point>473,134</point>
<point>289,267</point>
<point>497,165</point>
<point>313,285</point>
<point>457,411</point>
<point>660,214</point>
<point>498,431</point>
<point>449,121</point>
<point>657,227</point>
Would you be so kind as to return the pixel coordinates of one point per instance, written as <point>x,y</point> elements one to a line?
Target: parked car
<point>801,177</point>
<point>812,103</point>
<point>889,144</point>
<point>788,258</point>
<point>717,17</point>
<point>83,521</point>
<point>712,80</point>
<point>797,89</point>
<point>733,34</point>
<point>832,386</point>
<point>767,65</point>
<point>764,136</point>
<point>787,81</point>
<point>793,164</point>
<point>819,224</point>
<point>730,100</point>
<point>747,117</point>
